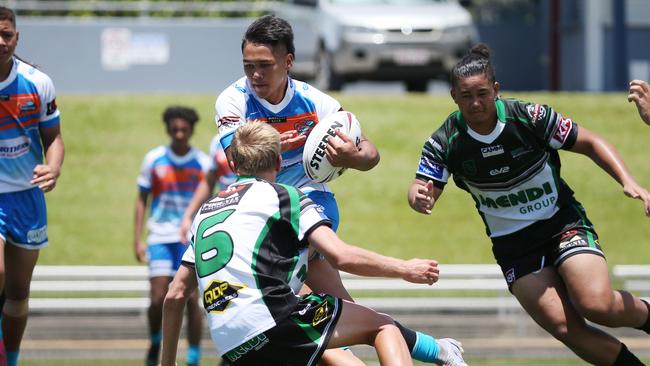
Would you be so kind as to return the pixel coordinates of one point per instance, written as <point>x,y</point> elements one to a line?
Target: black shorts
<point>546,243</point>
<point>298,340</point>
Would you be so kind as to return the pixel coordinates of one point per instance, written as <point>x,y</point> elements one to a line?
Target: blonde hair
<point>255,148</point>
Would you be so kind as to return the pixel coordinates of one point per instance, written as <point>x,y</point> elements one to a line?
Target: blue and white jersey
<point>225,175</point>
<point>301,109</point>
<point>27,103</point>
<point>171,180</point>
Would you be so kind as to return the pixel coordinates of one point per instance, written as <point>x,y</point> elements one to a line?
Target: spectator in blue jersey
<point>29,130</point>
<point>249,250</point>
<point>504,152</point>
<point>267,93</point>
<point>169,176</point>
<point>640,94</point>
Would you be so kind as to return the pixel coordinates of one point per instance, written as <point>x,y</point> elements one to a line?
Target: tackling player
<point>169,175</point>
<point>29,130</point>
<point>249,253</point>
<point>504,152</point>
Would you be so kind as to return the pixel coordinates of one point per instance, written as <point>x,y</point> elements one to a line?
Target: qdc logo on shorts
<point>510,276</point>
<point>37,235</point>
<point>320,314</point>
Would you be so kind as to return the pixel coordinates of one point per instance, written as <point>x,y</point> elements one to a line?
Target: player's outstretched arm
<point>422,196</point>
<point>639,93</point>
<point>364,262</point>
<point>182,286</point>
<point>608,158</point>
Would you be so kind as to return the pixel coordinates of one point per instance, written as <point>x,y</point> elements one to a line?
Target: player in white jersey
<point>29,130</point>
<point>169,175</point>
<point>248,257</point>
<point>504,153</point>
<point>639,93</point>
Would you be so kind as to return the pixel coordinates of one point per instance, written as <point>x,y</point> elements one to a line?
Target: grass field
<point>106,137</point>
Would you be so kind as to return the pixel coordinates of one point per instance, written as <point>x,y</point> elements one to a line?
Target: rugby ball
<point>314,159</point>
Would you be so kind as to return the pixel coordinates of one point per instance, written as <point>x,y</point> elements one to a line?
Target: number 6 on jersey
<point>213,249</point>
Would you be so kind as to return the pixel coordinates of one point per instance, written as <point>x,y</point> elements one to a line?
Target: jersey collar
<point>276,108</point>
<point>243,179</point>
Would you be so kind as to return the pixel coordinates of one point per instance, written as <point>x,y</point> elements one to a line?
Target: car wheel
<point>326,78</point>
<point>417,86</point>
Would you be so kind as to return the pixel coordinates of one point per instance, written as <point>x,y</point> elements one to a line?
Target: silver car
<point>412,41</point>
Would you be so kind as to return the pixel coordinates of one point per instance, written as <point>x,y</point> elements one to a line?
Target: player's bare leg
<point>360,325</point>
<point>157,293</point>
<point>589,287</point>
<point>544,297</point>
<point>194,329</point>
<point>19,266</point>
<point>325,279</point>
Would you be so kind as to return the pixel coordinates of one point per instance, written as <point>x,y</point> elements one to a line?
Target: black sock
<point>646,326</point>
<point>409,336</point>
<point>627,358</point>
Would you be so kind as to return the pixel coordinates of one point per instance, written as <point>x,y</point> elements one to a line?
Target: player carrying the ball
<point>267,93</point>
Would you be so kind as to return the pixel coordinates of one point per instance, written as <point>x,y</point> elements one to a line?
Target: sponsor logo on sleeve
<point>562,131</point>
<point>227,121</point>
<point>435,144</point>
<point>431,169</point>
<point>51,107</point>
<point>536,112</point>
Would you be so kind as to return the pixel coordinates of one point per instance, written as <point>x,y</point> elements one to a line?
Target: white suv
<point>406,40</point>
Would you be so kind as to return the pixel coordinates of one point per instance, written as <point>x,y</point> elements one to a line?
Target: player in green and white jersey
<point>504,153</point>
<point>249,253</point>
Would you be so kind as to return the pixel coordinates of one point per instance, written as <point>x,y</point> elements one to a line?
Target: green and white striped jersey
<point>249,249</point>
<point>513,174</point>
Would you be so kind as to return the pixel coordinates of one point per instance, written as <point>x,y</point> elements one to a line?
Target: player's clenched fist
<point>421,196</point>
